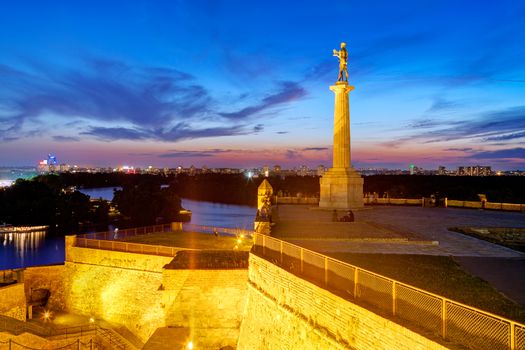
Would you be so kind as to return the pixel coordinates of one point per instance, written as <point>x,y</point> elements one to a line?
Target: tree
<point>147,204</point>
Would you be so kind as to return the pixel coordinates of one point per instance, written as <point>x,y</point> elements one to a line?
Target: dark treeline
<point>150,199</point>
<point>54,201</point>
<point>44,201</point>
<point>238,189</point>
<point>508,189</point>
<point>117,179</point>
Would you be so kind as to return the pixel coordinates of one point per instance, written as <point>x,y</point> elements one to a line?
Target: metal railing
<point>147,230</point>
<point>212,229</point>
<point>128,232</point>
<point>108,336</point>
<point>119,246</point>
<point>441,316</point>
<point>111,240</point>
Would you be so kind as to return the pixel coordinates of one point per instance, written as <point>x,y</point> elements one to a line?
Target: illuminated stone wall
<point>134,290</point>
<point>47,277</point>
<point>119,287</point>
<point>209,302</point>
<point>124,296</point>
<point>100,257</point>
<point>13,301</point>
<point>286,312</point>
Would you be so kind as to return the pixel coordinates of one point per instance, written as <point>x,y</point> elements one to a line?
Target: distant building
<point>303,170</point>
<point>266,171</point>
<point>42,166</point>
<point>475,170</point>
<point>442,170</point>
<point>320,170</point>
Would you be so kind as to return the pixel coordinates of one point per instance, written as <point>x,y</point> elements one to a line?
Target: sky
<point>246,83</point>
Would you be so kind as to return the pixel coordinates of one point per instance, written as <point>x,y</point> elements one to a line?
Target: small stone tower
<point>264,202</point>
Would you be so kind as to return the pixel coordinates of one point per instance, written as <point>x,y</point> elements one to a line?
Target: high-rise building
<point>476,170</point>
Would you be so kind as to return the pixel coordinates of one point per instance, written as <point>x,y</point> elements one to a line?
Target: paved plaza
<point>411,230</point>
<point>380,229</point>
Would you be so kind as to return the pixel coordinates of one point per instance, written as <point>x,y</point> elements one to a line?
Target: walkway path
<point>379,229</point>
<point>423,227</point>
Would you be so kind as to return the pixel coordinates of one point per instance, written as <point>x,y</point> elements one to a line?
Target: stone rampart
<point>50,277</point>
<point>210,302</point>
<point>135,290</point>
<point>125,296</point>
<point>13,301</point>
<point>286,312</point>
<point>111,258</point>
<point>297,200</point>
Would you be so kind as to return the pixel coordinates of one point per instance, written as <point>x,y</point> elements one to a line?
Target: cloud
<point>440,104</point>
<point>191,154</point>
<point>258,128</point>
<point>517,135</point>
<point>282,132</point>
<point>59,138</point>
<point>111,100</point>
<point>287,92</point>
<point>315,149</point>
<point>423,124</point>
<point>140,154</point>
<point>505,124</point>
<point>510,153</point>
<point>104,91</point>
<point>181,131</point>
<point>291,154</point>
<point>466,149</point>
<point>112,134</point>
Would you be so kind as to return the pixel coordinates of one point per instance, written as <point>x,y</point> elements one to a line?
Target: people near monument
<point>334,216</point>
<point>349,217</point>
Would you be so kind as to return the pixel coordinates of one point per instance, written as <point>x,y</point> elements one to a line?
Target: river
<point>41,249</point>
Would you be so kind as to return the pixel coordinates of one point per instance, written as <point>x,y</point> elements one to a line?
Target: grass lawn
<point>440,275</point>
<point>192,240</point>
<point>513,238</point>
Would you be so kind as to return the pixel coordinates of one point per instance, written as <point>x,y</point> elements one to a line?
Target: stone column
<point>341,152</point>
<point>341,186</point>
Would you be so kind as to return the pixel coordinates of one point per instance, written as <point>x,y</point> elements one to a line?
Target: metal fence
<point>129,232</point>
<point>107,336</point>
<point>112,240</point>
<point>127,247</point>
<point>445,318</point>
<point>118,234</point>
<point>213,229</point>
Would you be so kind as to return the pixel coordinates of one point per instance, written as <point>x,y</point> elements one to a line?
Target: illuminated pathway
<point>421,226</point>
<point>381,229</point>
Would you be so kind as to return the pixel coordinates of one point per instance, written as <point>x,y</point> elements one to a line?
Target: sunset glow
<point>244,84</point>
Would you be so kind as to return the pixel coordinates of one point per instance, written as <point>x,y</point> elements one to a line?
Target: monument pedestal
<point>341,188</point>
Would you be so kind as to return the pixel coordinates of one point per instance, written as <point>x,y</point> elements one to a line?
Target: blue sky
<point>237,83</point>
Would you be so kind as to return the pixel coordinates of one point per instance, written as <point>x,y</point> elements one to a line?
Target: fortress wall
<point>117,286</point>
<point>47,277</point>
<point>13,301</point>
<point>110,258</point>
<point>209,302</point>
<point>126,296</point>
<point>134,290</point>
<point>284,311</point>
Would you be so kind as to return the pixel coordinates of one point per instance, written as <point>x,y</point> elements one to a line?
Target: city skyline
<point>241,85</point>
